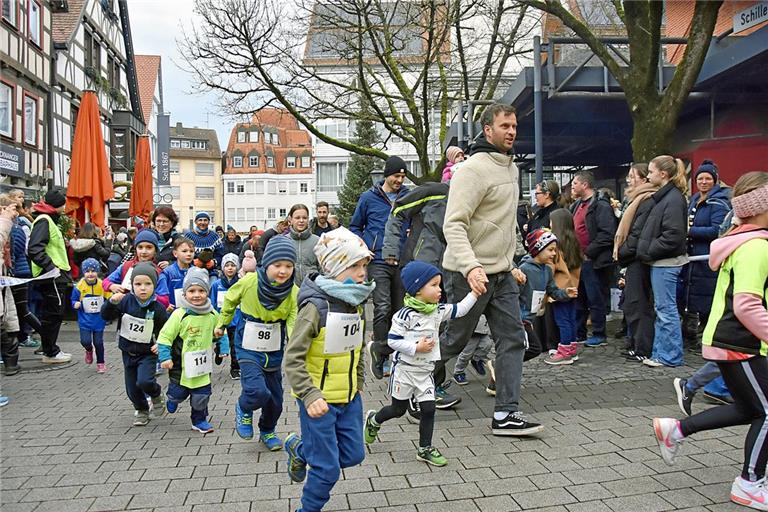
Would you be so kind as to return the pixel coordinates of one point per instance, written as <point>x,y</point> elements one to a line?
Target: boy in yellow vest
<point>324,368</point>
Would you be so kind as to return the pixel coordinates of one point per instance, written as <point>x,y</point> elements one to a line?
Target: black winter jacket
<point>628,250</point>
<point>601,225</point>
<point>540,219</point>
<point>665,230</point>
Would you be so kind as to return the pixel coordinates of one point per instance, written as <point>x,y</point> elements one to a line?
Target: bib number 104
<point>351,329</point>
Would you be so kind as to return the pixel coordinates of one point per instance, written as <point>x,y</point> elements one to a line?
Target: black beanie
<point>55,198</point>
<point>394,165</point>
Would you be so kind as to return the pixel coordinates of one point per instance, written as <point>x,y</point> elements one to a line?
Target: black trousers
<point>638,307</point>
<point>387,299</point>
<point>51,314</point>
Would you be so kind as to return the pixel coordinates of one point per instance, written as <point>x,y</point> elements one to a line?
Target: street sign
<point>11,161</point>
<point>750,17</point>
<point>163,150</point>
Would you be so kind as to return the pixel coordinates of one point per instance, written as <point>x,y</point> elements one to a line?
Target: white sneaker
<point>61,357</point>
<point>663,428</point>
<point>750,494</point>
<point>653,363</point>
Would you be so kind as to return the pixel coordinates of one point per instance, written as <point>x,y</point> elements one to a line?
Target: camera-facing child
<point>88,298</point>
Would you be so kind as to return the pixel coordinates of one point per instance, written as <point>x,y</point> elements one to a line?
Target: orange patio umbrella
<point>141,190</point>
<point>90,181</point>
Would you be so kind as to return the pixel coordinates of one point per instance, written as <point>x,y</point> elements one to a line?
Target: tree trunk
<point>652,135</point>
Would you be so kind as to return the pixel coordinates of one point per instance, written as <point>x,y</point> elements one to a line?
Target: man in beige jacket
<point>480,231</point>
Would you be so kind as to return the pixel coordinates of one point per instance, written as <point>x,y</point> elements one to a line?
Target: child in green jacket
<point>185,348</point>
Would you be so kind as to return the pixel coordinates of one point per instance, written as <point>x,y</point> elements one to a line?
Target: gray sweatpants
<point>479,348</point>
<point>501,306</point>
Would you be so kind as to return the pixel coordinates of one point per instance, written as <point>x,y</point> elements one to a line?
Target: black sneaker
<point>443,399</point>
<point>632,356</point>
<point>376,361</point>
<point>414,412</point>
<point>515,424</point>
<point>684,400</point>
<point>234,373</point>
<point>217,359</point>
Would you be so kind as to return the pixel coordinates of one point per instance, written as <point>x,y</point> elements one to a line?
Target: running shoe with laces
<point>750,494</point>
<point>371,430</point>
<point>297,466</point>
<point>141,418</point>
<point>29,342</point>
<point>203,427</point>
<point>243,423</point>
<point>61,357</point>
<point>515,424</point>
<point>684,399</point>
<point>443,399</point>
<point>171,406</point>
<point>431,455</point>
<point>479,367</point>
<point>669,440</point>
<point>271,441</point>
<point>460,378</point>
<point>652,363</point>
<point>376,361</point>
<point>234,374</point>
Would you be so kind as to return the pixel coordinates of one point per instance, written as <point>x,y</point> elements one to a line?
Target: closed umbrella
<point>141,190</point>
<point>90,181</point>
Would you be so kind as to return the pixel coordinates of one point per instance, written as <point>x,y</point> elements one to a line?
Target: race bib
<point>127,280</point>
<point>220,299</point>
<point>424,357</point>
<point>178,294</point>
<point>261,337</point>
<point>92,304</point>
<point>138,330</point>
<point>197,363</point>
<point>343,332</point>
<point>536,302</point>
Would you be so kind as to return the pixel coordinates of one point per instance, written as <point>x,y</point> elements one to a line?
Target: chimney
<point>178,126</point>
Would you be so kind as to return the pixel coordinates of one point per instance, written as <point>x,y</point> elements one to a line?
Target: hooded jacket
<point>370,217</point>
<point>664,232</point>
<point>480,216</point>
<point>424,208</point>
<point>306,261</point>
<point>539,278</point>
<point>738,322</point>
<point>704,220</point>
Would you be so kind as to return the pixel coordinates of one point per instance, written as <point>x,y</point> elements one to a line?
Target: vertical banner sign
<point>163,150</point>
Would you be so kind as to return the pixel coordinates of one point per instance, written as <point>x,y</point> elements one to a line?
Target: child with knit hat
<point>145,248</point>
<point>454,155</point>
<point>229,267</point>
<point>140,317</point>
<point>539,284</point>
<point>267,300</point>
<point>324,367</point>
<point>88,298</point>
<point>414,337</point>
<point>185,349</point>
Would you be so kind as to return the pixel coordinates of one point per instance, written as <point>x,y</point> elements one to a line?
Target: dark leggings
<point>748,383</point>
<point>426,423</point>
<point>21,298</point>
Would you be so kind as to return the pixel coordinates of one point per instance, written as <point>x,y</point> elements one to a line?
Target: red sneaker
<point>88,356</point>
<point>101,368</point>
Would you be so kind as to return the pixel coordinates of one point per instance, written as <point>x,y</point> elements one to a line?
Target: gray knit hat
<point>144,269</point>
<point>197,277</point>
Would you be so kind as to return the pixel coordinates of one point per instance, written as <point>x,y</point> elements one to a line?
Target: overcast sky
<point>155,26</point>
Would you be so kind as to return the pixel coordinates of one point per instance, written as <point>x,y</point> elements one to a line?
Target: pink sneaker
<point>565,354</point>
<point>101,368</point>
<point>88,356</point>
<point>750,494</point>
<point>667,431</point>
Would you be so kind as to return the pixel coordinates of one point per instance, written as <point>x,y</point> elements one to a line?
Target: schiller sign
<point>750,17</point>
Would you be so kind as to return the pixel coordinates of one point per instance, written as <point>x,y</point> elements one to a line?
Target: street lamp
<point>376,175</point>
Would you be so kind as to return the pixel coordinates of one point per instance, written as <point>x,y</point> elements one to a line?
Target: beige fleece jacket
<point>481,215</point>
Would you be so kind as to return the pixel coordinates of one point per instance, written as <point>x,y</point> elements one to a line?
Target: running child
<point>183,252</point>
<point>186,349</point>
<point>139,318</point>
<point>539,284</point>
<point>736,338</point>
<point>567,270</point>
<point>145,250</point>
<point>88,298</point>
<point>267,300</point>
<point>323,365</point>
<point>414,337</point>
<point>229,267</point>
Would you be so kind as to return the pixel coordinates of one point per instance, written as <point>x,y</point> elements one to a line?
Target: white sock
<point>499,415</point>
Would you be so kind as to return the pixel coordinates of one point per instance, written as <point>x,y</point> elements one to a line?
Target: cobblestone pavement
<point>68,444</point>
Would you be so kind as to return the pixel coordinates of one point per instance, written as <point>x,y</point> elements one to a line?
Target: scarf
<point>636,196</point>
<point>353,294</point>
<point>271,295</point>
<point>419,305</point>
<point>300,235</point>
<point>43,207</point>
<point>198,310</point>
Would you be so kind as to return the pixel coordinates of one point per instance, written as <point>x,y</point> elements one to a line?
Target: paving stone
<point>545,498</point>
<point>105,503</point>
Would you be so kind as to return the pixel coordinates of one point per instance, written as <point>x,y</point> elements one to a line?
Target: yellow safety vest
<point>55,249</point>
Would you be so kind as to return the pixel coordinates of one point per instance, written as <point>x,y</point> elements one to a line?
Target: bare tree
<point>654,113</point>
<point>410,60</point>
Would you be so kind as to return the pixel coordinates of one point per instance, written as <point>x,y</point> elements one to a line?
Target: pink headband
<point>751,204</point>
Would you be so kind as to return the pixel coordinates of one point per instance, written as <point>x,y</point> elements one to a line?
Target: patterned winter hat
<point>338,250</point>
<point>538,240</point>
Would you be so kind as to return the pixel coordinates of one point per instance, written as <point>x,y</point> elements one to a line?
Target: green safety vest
<point>55,249</point>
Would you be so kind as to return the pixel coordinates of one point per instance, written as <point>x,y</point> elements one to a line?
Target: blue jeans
<point>668,336</point>
<point>329,443</point>
<point>140,379</point>
<point>198,399</point>
<point>261,390</point>
<point>565,318</point>
<point>708,377</point>
<point>594,299</point>
<point>93,339</point>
